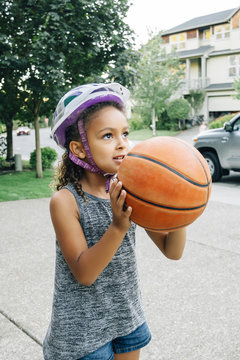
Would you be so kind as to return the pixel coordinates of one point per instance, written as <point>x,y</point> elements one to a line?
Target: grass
<point>145,134</point>
<point>25,185</point>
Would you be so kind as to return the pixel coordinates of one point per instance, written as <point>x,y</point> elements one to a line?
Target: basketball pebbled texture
<point>168,183</point>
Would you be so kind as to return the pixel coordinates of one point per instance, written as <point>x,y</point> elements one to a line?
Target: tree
<point>59,44</point>
<point>159,77</point>
<point>237,88</point>
<point>177,111</point>
<point>11,98</point>
<point>124,69</point>
<point>196,99</point>
<point>10,102</point>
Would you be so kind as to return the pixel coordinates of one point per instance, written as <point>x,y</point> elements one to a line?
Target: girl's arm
<point>171,243</point>
<point>85,263</point>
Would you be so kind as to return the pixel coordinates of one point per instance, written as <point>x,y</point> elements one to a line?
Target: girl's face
<point>107,134</point>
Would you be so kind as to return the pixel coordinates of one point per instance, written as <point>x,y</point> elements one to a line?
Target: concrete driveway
<point>192,305</point>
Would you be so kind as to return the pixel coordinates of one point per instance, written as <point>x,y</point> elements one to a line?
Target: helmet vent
<point>102,89</point>
<point>70,98</point>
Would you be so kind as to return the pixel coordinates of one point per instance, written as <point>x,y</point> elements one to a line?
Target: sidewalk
<point>192,305</point>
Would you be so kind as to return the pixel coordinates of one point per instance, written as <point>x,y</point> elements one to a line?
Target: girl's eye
<point>125,134</point>
<point>107,136</point>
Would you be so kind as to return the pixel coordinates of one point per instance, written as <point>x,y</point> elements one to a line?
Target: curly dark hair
<point>67,171</point>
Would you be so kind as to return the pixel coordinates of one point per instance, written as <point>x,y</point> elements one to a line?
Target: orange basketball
<point>168,183</point>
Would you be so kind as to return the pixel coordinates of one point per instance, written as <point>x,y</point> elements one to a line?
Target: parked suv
<point>221,148</point>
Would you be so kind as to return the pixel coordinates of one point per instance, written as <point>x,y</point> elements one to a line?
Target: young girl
<point>97,310</point>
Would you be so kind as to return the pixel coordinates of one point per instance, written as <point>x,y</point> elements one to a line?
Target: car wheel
<point>214,165</point>
<point>225,172</point>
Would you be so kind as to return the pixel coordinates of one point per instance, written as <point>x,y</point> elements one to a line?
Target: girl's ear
<point>77,149</point>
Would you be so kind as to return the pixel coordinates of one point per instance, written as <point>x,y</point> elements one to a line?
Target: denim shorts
<point>123,344</point>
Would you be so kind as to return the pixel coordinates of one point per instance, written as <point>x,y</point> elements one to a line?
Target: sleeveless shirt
<point>85,318</point>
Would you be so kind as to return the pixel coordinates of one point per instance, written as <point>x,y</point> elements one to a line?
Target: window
<point>206,34</point>
<point>234,65</point>
<point>178,41</point>
<point>237,125</point>
<point>222,31</point>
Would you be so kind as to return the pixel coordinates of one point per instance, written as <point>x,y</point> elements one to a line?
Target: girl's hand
<point>121,216</point>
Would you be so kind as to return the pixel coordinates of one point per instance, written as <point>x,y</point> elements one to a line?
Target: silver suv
<point>221,148</point>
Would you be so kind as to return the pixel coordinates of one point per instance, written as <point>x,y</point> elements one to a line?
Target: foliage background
<point>219,122</point>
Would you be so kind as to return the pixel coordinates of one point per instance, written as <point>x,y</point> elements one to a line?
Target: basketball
<point>168,183</point>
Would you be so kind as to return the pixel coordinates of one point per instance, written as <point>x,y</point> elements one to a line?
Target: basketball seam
<point>196,156</point>
<point>163,206</point>
<point>169,168</point>
<point>164,229</point>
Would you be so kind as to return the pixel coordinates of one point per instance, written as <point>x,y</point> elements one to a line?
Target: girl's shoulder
<point>62,195</point>
<point>63,201</point>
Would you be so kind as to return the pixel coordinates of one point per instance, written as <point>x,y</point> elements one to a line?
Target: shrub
<point>49,155</point>
<point>2,128</point>
<point>219,122</point>
<point>163,123</point>
<point>178,109</point>
<point>136,122</point>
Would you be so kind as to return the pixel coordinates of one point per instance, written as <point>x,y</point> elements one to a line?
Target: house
<point>209,49</point>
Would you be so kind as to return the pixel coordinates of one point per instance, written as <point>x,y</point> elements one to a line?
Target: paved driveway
<point>192,305</point>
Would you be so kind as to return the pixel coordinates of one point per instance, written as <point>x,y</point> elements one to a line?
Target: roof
<point>224,52</point>
<point>194,52</point>
<point>203,21</point>
<point>219,86</point>
<point>205,50</point>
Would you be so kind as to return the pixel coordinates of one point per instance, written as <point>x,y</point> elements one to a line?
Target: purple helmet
<point>71,106</point>
<point>74,102</point>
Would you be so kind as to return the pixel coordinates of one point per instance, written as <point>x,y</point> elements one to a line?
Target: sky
<point>155,15</point>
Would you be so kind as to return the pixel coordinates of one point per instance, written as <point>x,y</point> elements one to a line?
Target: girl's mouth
<point>120,157</point>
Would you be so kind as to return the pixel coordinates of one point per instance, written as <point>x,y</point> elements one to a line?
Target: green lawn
<point>25,185</point>
<point>145,134</point>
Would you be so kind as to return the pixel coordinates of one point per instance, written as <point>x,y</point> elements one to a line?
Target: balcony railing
<point>194,84</point>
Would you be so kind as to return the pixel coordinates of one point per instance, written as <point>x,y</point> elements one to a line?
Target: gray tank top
<point>85,318</point>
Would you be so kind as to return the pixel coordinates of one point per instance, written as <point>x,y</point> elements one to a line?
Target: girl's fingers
<point>112,186</point>
<point>128,211</point>
<point>122,204</point>
<point>115,189</point>
<point>121,198</point>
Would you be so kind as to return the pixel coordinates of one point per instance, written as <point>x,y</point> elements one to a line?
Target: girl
<point>97,311</point>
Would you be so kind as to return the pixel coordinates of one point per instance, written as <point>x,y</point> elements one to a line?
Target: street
<point>25,144</point>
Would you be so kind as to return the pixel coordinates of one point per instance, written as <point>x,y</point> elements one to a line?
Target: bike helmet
<point>69,110</point>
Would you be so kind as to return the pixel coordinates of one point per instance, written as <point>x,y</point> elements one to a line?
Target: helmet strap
<point>84,164</point>
<point>92,167</point>
<point>85,143</point>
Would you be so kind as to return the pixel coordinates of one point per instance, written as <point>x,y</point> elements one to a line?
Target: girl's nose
<point>121,143</point>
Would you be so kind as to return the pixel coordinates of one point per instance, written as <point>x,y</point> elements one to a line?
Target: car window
<point>236,126</point>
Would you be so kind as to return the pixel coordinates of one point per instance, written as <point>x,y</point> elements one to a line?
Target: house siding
<point>217,67</point>
<point>206,53</point>
<point>236,20</point>
<point>192,34</point>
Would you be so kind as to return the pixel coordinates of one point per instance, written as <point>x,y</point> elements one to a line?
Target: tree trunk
<point>153,122</point>
<point>9,126</point>
<point>37,142</point>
